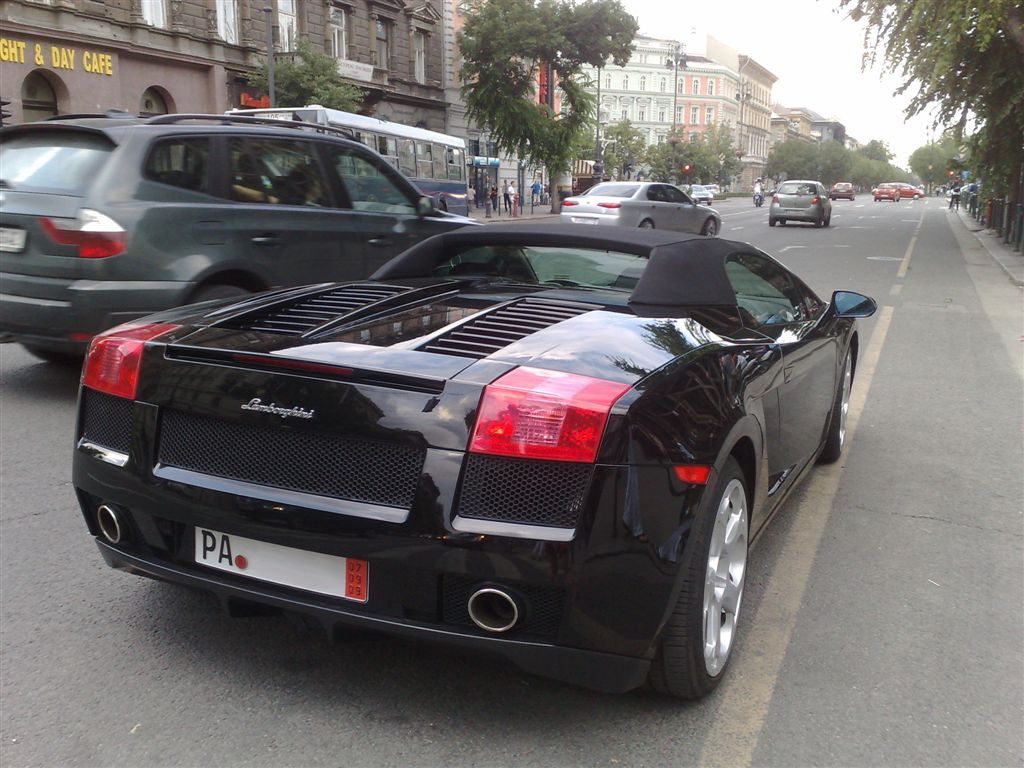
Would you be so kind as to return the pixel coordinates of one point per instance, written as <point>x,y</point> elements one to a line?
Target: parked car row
<point>648,205</point>
<point>896,191</point>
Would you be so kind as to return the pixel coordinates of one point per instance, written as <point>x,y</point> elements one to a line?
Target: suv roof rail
<point>251,120</point>
<point>116,114</point>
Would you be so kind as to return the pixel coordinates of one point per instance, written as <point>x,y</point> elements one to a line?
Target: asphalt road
<point>882,620</point>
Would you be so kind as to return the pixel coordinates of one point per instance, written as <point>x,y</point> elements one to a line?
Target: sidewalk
<point>1011,261</point>
<point>538,213</point>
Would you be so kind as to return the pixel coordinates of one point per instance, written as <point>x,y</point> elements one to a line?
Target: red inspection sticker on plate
<point>313,571</point>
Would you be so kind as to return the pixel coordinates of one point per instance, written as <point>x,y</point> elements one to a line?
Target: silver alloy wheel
<point>844,405</point>
<point>710,229</point>
<point>723,582</point>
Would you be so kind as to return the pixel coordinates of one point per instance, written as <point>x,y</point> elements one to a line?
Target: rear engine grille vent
<point>300,316</point>
<point>293,459</point>
<point>488,332</point>
<point>107,420</point>
<point>549,493</point>
<point>542,605</point>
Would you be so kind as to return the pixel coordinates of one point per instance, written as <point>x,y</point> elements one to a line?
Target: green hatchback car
<point>105,219</point>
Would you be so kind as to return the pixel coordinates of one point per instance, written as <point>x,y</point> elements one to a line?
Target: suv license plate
<point>313,571</point>
<point>12,240</point>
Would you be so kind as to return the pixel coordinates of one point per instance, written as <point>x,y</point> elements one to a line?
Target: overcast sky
<point>813,49</point>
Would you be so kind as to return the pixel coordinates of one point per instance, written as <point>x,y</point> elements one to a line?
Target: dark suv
<point>105,219</point>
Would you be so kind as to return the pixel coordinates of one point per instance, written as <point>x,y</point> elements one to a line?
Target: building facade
<point>155,56</point>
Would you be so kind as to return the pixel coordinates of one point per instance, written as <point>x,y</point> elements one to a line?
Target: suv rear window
<point>797,189</point>
<point>59,162</point>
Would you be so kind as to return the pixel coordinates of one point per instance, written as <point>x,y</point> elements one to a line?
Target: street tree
<point>876,150</point>
<point>963,59</point>
<point>507,45</point>
<point>625,146</point>
<point>792,159</point>
<point>309,77</point>
<point>834,162</point>
<point>933,162</point>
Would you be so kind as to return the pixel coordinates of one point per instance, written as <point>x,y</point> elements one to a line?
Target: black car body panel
<point>344,431</point>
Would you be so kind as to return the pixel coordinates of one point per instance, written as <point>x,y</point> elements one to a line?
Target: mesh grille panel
<point>296,460</point>
<point>107,420</point>
<point>543,605</point>
<point>523,491</point>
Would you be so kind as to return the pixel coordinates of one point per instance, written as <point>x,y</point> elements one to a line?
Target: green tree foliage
<point>964,59</point>
<point>309,77</point>
<point>712,158</point>
<point>792,159</point>
<point>876,150</point>
<point>830,161</point>
<point>625,147</point>
<point>506,43</point>
<point>933,162</point>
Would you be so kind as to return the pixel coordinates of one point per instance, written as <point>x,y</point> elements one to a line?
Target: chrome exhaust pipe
<point>493,610</point>
<point>109,521</point>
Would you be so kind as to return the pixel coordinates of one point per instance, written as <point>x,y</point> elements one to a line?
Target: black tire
<point>217,291</point>
<point>680,667</point>
<point>835,438</point>
<point>828,220</point>
<point>69,359</point>
<point>782,222</point>
<point>820,222</point>
<point>646,224</point>
<point>772,222</point>
<point>710,228</point>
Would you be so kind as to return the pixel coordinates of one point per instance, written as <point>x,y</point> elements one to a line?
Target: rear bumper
<point>63,315</point>
<point>611,673</point>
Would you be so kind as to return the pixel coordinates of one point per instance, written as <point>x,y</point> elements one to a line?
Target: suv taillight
<point>96,235</point>
<point>112,362</point>
<point>539,414</point>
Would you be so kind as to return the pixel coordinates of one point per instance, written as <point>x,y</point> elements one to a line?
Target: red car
<point>886,192</point>
<point>909,190</point>
<point>841,189</point>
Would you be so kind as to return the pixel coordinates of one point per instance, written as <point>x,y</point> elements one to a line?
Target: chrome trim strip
<point>283,496</point>
<point>102,453</point>
<point>515,530</point>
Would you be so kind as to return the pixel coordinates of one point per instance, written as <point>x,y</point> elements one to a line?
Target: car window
<point>767,293</point>
<point>63,162</point>
<point>655,193</point>
<point>180,162</point>
<point>545,265</point>
<point>792,188</point>
<point>614,190</point>
<point>673,195</point>
<point>369,183</point>
<point>275,171</point>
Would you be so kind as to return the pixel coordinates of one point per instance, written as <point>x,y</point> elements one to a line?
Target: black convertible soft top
<point>684,270</point>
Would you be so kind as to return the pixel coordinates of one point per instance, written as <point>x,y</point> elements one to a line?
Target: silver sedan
<point>649,205</point>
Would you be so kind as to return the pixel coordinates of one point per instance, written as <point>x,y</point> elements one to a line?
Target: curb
<point>1009,260</point>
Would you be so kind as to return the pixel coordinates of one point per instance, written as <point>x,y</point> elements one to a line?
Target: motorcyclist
<point>758,193</point>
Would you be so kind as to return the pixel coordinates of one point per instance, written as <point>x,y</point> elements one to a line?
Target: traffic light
<point>686,168</point>
<point>4,114</point>
<point>950,173</point>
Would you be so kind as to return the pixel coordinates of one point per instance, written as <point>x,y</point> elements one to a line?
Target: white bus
<point>434,162</point>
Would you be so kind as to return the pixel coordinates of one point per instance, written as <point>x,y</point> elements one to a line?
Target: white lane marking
<point>746,693</point>
<point>895,290</point>
<point>791,247</point>
<point>884,258</point>
<point>910,248</point>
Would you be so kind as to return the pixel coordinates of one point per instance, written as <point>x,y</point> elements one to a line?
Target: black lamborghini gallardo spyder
<point>549,443</point>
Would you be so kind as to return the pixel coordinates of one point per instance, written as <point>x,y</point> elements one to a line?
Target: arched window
<point>152,103</point>
<point>643,83</point>
<point>608,82</point>
<point>664,84</point>
<point>696,86</point>
<point>625,82</point>
<point>38,99</point>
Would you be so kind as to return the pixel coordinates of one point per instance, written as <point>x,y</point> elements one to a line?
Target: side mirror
<point>852,304</point>
<point>425,206</point>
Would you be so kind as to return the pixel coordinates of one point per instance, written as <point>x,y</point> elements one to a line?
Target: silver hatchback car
<point>648,205</point>
<point>800,200</point>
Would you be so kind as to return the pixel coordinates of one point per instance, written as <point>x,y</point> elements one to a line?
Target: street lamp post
<point>598,149</point>
<point>673,140</point>
<point>268,12</point>
<point>674,62</point>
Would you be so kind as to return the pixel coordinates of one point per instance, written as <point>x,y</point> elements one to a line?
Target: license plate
<point>583,220</point>
<point>12,240</point>
<point>313,571</point>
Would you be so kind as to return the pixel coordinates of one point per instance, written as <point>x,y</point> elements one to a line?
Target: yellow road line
<point>905,264</point>
<point>746,693</point>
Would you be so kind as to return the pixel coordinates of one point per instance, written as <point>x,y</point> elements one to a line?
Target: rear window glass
<point>797,189</point>
<point>614,190</point>
<point>60,162</point>
<point>545,265</point>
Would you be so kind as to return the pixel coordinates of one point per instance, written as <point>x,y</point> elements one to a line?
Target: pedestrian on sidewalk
<point>535,193</point>
<point>506,197</point>
<point>514,196</point>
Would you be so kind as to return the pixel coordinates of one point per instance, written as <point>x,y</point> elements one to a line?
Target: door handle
<point>380,242</point>
<point>267,241</point>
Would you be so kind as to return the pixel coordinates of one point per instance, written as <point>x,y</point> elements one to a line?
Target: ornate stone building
<point>155,56</point>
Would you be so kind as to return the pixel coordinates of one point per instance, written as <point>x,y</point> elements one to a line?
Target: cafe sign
<point>64,57</point>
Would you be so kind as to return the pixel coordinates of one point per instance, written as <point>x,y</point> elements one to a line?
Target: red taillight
<point>570,202</point>
<point>112,362</point>
<point>538,414</point>
<point>815,200</point>
<point>609,205</point>
<point>95,235</point>
<point>695,474</point>
<point>775,198</point>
